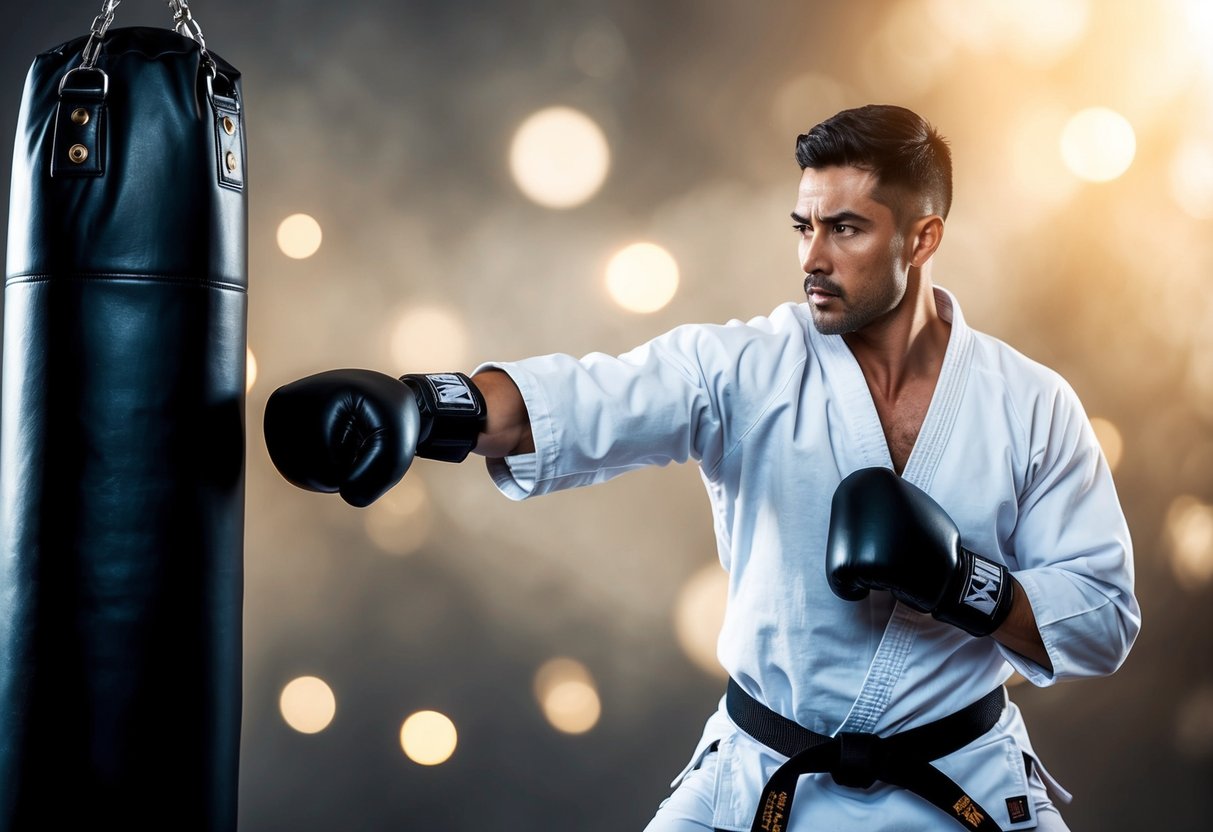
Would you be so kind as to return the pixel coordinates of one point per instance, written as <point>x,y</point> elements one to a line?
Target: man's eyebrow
<point>834,219</point>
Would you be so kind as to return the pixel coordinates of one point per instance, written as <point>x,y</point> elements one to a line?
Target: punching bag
<point>122,437</point>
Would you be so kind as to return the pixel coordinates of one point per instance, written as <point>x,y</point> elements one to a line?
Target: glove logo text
<point>452,391</point>
<point>984,584</point>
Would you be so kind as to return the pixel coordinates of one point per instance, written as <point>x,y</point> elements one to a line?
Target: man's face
<point>851,248</point>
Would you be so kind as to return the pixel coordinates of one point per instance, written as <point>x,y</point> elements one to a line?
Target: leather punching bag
<point>122,438</point>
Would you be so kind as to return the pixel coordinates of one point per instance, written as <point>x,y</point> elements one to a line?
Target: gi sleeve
<point>599,416</point>
<point>1073,548</point>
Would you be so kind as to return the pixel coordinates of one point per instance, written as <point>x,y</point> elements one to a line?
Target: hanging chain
<point>100,24</point>
<point>183,24</point>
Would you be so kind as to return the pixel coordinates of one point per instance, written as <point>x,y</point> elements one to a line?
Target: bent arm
<point>1074,553</point>
<point>1020,633</point>
<point>507,429</point>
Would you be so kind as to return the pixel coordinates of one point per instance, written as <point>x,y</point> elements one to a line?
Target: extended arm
<point>507,428</point>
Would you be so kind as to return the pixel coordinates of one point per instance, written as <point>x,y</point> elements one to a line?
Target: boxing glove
<point>356,432</point>
<point>887,534</point>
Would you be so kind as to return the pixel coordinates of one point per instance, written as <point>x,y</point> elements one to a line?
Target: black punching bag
<point>122,438</point>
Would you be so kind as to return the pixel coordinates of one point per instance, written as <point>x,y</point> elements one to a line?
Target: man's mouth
<point>819,290</point>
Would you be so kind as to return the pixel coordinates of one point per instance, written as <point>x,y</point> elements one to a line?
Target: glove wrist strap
<point>453,413</point>
<point>981,599</point>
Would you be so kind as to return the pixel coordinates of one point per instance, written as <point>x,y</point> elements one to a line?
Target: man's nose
<point>813,254</point>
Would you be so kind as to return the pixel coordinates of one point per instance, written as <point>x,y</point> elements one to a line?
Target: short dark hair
<point>898,145</point>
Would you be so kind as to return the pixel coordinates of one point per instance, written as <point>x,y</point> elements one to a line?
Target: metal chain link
<point>185,25</point>
<point>100,24</point>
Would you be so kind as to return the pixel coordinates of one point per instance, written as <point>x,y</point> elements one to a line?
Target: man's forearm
<point>1020,633</point>
<point>507,429</point>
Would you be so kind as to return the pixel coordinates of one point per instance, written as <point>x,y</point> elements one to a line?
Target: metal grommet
<point>231,161</point>
<point>80,116</point>
<point>229,126</point>
<point>77,153</point>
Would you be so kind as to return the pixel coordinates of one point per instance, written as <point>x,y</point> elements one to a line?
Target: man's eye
<point>801,229</point>
<point>844,229</point>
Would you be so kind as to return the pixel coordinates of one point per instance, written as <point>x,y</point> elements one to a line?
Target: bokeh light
<point>1098,144</point>
<point>1197,17</point>
<point>1194,723</point>
<point>559,157</point>
<point>1033,32</point>
<point>1110,440</point>
<point>399,522</point>
<point>1191,177</point>
<point>250,370</point>
<point>429,339</point>
<point>904,57</point>
<point>1189,531</point>
<point>642,277</point>
<point>307,704</point>
<point>567,695</point>
<point>428,738</point>
<point>299,236</point>
<point>699,615</point>
<point>1037,170</point>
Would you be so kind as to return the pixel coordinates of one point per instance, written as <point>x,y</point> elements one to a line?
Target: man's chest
<point>901,420</point>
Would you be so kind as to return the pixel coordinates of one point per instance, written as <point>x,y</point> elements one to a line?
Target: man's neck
<point>906,345</point>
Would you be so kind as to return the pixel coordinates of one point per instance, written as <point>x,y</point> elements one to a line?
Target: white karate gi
<point>777,414</point>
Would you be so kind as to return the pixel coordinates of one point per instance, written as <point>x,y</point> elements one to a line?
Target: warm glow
<point>642,277</point>
<point>699,614</point>
<point>1098,144</point>
<point>559,157</point>
<point>1189,530</point>
<point>566,693</point>
<point>428,738</point>
<point>1039,32</point>
<point>428,339</point>
<point>1034,32</point>
<point>1109,439</point>
<point>307,704</point>
<point>1191,178</point>
<point>1036,169</point>
<point>299,236</point>
<point>250,370</point>
<point>1198,22</point>
<point>399,521</point>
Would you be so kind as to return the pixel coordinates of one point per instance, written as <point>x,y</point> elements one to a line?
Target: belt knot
<point>860,759</point>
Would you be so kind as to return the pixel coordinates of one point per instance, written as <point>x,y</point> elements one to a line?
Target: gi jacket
<point>776,414</point>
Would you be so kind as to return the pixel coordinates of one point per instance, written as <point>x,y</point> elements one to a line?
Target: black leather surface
<point>122,455</point>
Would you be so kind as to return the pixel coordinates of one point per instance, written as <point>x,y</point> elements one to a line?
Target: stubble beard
<point>853,316</point>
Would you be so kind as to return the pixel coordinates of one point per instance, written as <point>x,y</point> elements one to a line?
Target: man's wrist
<point>453,414</point>
<point>981,596</point>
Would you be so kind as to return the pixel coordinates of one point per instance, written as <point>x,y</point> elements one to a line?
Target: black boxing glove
<point>356,432</point>
<point>886,533</point>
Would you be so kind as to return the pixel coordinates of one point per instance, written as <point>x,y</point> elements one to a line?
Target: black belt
<point>858,760</point>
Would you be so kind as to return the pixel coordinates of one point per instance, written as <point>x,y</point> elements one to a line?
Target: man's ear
<point>925,236</point>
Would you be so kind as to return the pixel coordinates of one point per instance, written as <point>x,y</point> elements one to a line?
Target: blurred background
<point>436,184</point>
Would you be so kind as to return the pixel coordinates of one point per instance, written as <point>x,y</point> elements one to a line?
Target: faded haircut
<point>911,160</point>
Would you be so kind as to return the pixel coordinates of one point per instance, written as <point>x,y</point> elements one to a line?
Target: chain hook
<point>185,25</point>
<point>96,34</point>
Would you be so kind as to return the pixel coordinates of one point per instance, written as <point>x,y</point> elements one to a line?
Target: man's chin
<point>828,324</point>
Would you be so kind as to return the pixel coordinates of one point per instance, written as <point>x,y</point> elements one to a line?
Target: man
<point>867,439</point>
